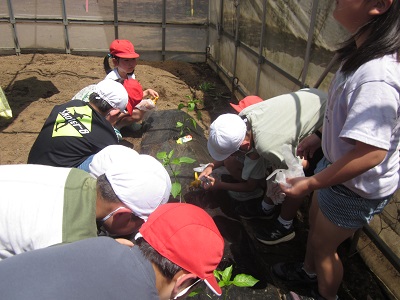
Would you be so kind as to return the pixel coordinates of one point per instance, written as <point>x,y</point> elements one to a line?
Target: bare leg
<point>290,207</point>
<point>321,256</point>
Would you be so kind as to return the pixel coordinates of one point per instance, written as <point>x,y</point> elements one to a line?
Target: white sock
<point>267,208</point>
<point>285,223</point>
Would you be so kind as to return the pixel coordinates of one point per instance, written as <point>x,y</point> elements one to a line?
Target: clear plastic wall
<point>160,30</point>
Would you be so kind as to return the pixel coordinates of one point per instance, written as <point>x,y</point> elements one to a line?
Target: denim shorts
<point>344,207</point>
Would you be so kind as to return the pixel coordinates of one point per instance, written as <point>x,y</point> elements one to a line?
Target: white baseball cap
<point>109,156</point>
<point>114,93</point>
<point>141,183</point>
<point>227,133</point>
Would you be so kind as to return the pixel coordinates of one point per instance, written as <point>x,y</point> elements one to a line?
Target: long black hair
<point>383,39</point>
<point>106,63</point>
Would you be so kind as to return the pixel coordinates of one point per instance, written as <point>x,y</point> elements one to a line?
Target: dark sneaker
<point>254,211</point>
<point>293,272</point>
<point>275,234</point>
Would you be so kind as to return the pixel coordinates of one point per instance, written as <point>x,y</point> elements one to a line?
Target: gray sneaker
<point>275,234</point>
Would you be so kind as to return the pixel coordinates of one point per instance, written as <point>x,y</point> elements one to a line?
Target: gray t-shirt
<point>96,268</point>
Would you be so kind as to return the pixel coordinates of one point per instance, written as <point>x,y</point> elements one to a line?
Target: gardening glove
<point>201,168</point>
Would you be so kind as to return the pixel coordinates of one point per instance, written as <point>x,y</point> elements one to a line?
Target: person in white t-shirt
<point>124,58</point>
<point>360,140</point>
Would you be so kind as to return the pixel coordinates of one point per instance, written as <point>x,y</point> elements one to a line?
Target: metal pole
<point>237,15</point>
<point>261,47</point>
<point>164,28</point>
<point>14,29</point>
<point>326,71</point>
<point>115,3</point>
<point>220,22</point>
<point>65,22</point>
<point>309,41</point>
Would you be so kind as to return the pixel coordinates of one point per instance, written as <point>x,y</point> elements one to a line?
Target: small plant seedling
<point>183,125</point>
<point>206,86</point>
<point>225,282</point>
<point>240,280</point>
<point>169,161</point>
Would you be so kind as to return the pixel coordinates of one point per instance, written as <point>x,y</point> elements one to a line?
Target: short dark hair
<point>383,39</point>
<point>167,268</point>
<point>105,189</point>
<point>100,103</point>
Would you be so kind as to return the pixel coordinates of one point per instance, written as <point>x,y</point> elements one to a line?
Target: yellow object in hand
<point>155,99</point>
<point>196,183</point>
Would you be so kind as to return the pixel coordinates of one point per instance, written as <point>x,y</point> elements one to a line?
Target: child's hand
<point>299,187</point>
<point>208,182</point>
<point>150,93</point>
<point>206,172</point>
<point>308,146</point>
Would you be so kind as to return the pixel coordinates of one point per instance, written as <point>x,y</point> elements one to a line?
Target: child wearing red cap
<point>136,109</point>
<point>124,59</point>
<point>179,246</point>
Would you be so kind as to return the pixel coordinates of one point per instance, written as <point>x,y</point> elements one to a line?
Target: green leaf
<point>179,124</point>
<point>180,106</point>
<point>176,161</point>
<point>199,115</point>
<point>170,153</point>
<point>222,283</point>
<point>194,123</point>
<point>191,106</point>
<point>195,292</point>
<point>217,274</point>
<point>186,160</point>
<point>244,280</point>
<point>161,155</point>
<point>176,173</point>
<point>227,273</point>
<point>176,189</point>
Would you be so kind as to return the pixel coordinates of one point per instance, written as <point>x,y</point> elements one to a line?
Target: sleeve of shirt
<point>253,168</point>
<point>372,115</point>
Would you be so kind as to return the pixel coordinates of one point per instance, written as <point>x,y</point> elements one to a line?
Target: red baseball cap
<point>135,93</point>
<point>187,236</point>
<point>123,49</point>
<point>245,102</point>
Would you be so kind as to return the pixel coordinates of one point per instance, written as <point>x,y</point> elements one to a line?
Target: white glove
<point>201,168</point>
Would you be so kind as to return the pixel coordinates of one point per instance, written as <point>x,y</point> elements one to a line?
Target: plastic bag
<point>295,169</point>
<point>146,105</point>
<point>5,110</point>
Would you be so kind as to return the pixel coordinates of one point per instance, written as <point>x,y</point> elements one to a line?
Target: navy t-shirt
<point>96,268</point>
<point>72,132</point>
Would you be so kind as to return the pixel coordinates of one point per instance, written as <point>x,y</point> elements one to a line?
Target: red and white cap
<point>246,102</point>
<point>187,236</point>
<point>135,93</point>
<point>123,49</point>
